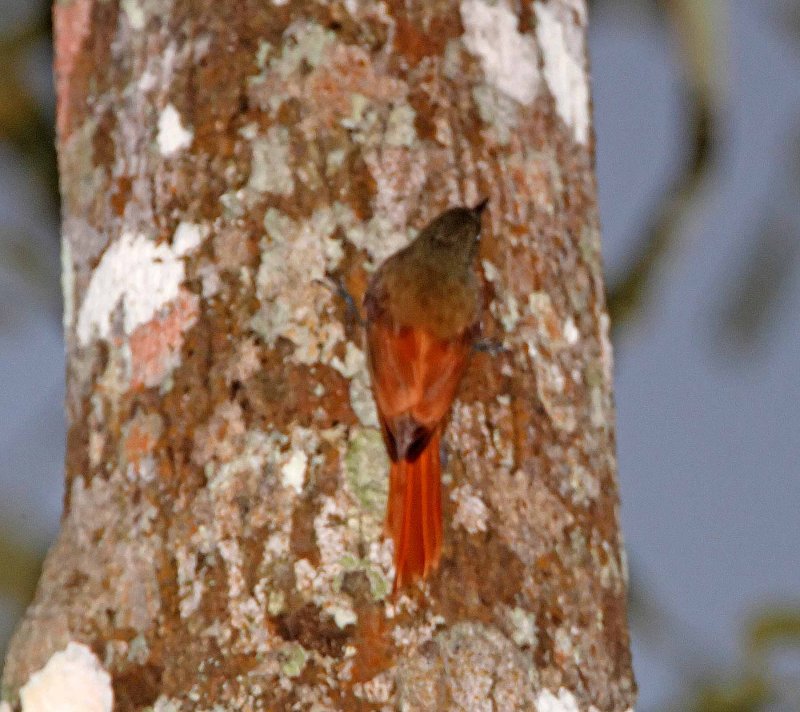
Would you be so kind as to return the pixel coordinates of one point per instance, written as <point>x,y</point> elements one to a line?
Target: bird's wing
<point>414,378</point>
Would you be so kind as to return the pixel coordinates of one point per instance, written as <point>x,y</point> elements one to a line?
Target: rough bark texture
<point>225,479</point>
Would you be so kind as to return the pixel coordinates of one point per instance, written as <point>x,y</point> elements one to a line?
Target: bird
<point>422,311</point>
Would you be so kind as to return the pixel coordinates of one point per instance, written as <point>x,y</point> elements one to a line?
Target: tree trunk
<point>223,166</point>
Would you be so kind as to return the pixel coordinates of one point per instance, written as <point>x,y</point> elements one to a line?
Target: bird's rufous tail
<point>414,514</point>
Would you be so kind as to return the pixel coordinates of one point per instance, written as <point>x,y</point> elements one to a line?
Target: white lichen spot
<point>505,307</point>
<point>380,236</point>
<point>270,171</point>
<point>304,42</point>
<point>276,602</point>
<point>563,643</point>
<point>355,361</point>
<point>190,585</point>
<point>507,56</point>
<point>135,13</point>
<point>5,707</point>
<point>333,537</point>
<point>611,574</point>
<point>585,486</point>
<point>571,332</point>
<point>623,557</point>
<point>172,135</point>
<point>597,407</point>
<point>293,473</point>
<point>277,545</point>
<point>523,627</point>
<point>606,349</point>
<point>562,43</point>
<point>264,50</point>
<point>343,616</point>
<point>400,129</point>
<point>415,635</point>
<point>138,650</point>
<point>202,46</point>
<point>135,272</point>
<point>362,402</point>
<point>147,81</point>
<point>471,512</point>
<point>304,574</point>
<point>335,160</point>
<point>67,283</point>
<point>510,315</point>
<point>166,704</point>
<point>356,120</point>
<point>546,701</point>
<point>550,331</point>
<point>73,680</point>
<point>378,690</point>
<point>550,385</point>
<point>491,272</point>
<point>245,363</point>
<point>233,203</point>
<point>231,553</point>
<point>144,471</point>
<point>188,237</point>
<point>539,303</point>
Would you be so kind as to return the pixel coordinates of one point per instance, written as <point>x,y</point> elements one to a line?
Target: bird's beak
<point>480,207</point>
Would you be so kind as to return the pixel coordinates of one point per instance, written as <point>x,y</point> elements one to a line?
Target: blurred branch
<point>24,122</point>
<point>695,30</point>
<point>18,250</point>
<point>759,286</point>
<point>752,686</point>
<point>626,295</point>
<point>27,133</point>
<point>739,695</point>
<point>773,627</point>
<point>660,630</point>
<point>19,568</point>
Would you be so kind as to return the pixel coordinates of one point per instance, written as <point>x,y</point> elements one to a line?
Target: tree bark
<point>223,165</point>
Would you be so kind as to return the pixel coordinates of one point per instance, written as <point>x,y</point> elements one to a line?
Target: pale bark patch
<point>72,681</point>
